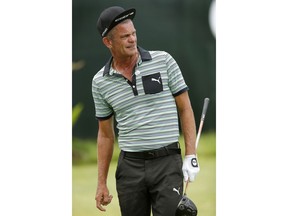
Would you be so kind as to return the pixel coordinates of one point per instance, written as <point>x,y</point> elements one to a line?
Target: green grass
<point>84,179</point>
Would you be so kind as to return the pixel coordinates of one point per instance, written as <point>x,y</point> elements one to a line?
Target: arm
<point>105,146</point>
<point>190,166</point>
<point>187,121</point>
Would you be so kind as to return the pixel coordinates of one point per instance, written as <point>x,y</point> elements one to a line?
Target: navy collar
<point>145,56</point>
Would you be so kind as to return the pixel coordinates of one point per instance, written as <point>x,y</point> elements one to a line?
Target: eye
<point>125,36</point>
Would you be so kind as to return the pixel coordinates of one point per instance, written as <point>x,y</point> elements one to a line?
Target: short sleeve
<point>176,80</point>
<point>102,109</point>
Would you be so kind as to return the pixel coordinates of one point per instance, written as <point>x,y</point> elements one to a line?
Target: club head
<point>186,207</point>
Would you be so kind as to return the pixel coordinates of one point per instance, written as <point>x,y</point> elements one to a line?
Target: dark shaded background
<point>180,27</point>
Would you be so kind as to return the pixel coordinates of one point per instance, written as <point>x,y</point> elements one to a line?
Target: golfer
<point>145,92</point>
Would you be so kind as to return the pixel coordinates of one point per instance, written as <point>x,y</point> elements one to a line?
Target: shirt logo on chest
<point>152,83</point>
<point>156,80</point>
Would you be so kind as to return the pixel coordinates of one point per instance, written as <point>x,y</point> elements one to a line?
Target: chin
<point>132,52</point>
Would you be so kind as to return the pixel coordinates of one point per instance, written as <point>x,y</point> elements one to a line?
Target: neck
<point>125,65</point>
<point>125,62</point>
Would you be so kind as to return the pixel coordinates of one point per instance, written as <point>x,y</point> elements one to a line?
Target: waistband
<point>171,149</point>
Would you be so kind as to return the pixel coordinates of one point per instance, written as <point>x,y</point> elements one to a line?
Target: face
<point>123,40</point>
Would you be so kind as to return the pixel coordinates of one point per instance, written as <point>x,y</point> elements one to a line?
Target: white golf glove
<point>190,167</point>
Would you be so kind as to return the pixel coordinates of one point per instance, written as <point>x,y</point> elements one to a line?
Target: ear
<point>107,42</point>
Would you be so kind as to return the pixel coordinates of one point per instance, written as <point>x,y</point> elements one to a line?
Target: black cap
<point>111,17</point>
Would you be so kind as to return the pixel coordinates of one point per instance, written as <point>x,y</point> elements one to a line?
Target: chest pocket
<point>152,83</point>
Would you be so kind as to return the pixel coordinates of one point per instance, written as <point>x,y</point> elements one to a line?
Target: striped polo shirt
<point>144,108</point>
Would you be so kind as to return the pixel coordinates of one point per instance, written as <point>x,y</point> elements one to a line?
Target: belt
<point>171,149</point>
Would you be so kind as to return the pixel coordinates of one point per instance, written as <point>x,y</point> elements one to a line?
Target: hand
<point>102,197</point>
<point>190,167</point>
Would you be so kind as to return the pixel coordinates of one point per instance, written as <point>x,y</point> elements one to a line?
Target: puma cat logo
<point>174,189</point>
<point>157,80</point>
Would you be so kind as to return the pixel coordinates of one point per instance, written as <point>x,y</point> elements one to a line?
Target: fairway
<point>202,191</point>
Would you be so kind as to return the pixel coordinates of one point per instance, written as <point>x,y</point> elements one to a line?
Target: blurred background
<point>185,29</point>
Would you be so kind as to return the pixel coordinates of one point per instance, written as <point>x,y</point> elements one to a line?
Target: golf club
<point>204,110</point>
<point>186,207</point>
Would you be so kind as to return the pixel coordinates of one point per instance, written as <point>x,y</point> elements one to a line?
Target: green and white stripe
<point>145,121</point>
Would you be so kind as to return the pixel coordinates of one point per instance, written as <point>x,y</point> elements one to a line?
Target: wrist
<point>190,151</point>
<point>102,181</point>
<point>190,156</point>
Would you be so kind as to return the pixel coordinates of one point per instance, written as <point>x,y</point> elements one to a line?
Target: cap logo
<point>123,17</point>
<point>105,30</point>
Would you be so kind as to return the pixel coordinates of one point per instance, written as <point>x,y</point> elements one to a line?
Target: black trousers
<point>149,184</point>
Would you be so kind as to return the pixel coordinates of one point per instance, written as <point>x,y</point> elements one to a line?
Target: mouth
<point>131,47</point>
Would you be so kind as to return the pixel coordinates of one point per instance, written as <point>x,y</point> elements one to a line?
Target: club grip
<point>205,106</point>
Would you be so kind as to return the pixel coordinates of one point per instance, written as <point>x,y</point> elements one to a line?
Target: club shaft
<point>204,110</point>
<point>186,187</point>
<point>199,133</point>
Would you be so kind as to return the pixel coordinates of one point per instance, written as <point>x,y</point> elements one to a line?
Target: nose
<point>132,38</point>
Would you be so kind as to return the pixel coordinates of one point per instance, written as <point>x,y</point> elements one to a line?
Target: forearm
<point>188,130</point>
<point>187,121</point>
<point>105,148</point>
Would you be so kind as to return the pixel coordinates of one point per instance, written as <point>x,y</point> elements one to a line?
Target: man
<point>143,90</point>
